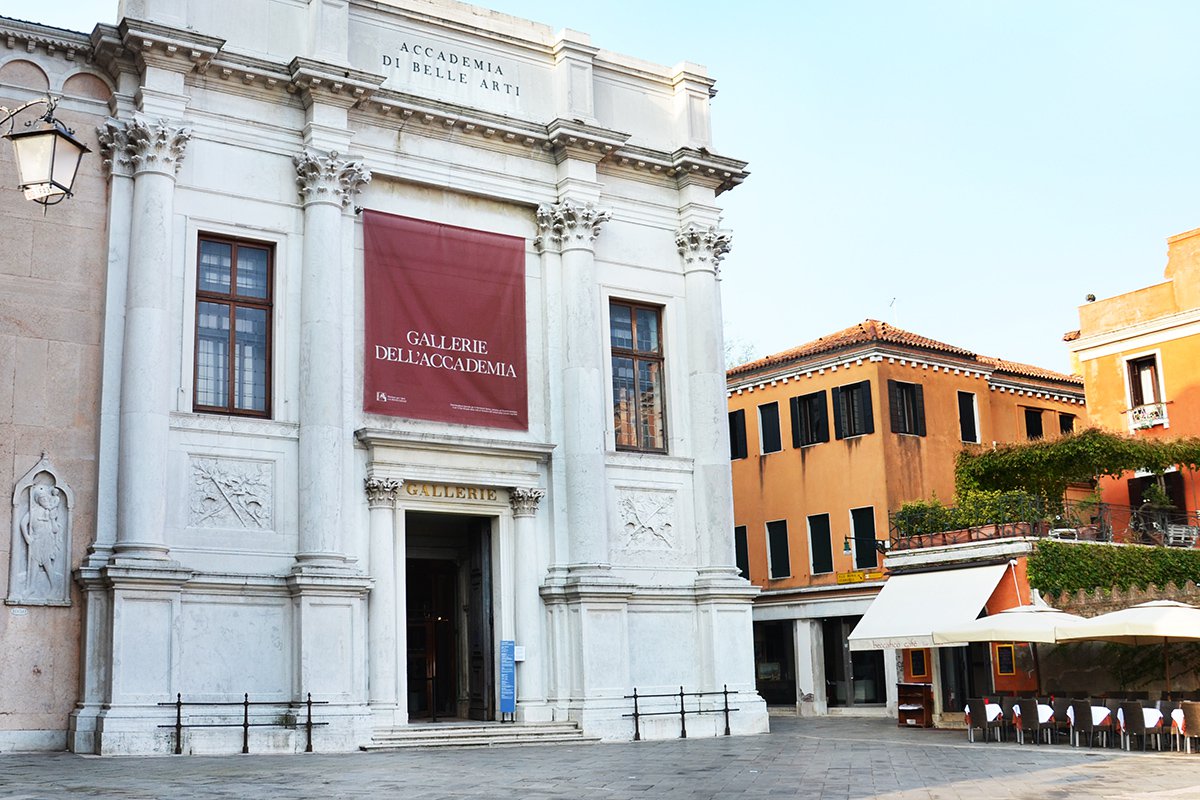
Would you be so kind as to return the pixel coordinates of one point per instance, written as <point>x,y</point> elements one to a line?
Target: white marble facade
<point>268,556</point>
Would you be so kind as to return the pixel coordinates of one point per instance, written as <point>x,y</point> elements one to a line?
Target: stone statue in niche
<point>40,557</point>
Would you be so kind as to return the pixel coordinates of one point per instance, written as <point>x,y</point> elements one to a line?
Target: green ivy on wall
<point>1056,567</point>
<point>1047,466</point>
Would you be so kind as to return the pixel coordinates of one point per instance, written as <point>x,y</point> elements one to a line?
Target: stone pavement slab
<point>847,759</point>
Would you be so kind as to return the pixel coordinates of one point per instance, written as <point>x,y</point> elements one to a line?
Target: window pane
<point>216,261</point>
<point>650,405</point>
<point>966,417</point>
<point>624,409</point>
<point>250,365</point>
<point>212,354</point>
<point>620,324</point>
<point>252,272</point>
<point>647,330</point>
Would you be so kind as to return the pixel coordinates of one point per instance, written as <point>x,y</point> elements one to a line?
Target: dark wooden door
<point>480,691</point>
<point>432,657</point>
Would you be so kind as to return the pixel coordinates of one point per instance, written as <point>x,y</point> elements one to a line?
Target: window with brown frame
<point>639,406</point>
<point>233,327</point>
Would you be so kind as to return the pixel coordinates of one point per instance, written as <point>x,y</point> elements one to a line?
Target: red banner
<point>445,323</point>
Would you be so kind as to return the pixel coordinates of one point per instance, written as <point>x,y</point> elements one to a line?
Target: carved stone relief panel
<point>40,557</point>
<point>647,520</point>
<point>231,494</point>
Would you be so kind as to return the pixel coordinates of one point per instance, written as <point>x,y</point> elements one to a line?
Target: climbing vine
<point>1044,468</point>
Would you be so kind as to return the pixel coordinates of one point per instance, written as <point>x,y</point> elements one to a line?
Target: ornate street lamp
<point>47,157</point>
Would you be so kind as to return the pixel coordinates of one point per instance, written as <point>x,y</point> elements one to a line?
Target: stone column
<point>702,250</point>
<point>382,630</point>
<point>528,600</point>
<point>155,150</point>
<point>570,228</point>
<point>328,183</point>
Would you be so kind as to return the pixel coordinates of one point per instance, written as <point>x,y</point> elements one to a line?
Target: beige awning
<point>910,608</point>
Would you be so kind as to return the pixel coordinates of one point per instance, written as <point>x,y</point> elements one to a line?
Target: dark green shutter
<point>819,416</point>
<point>919,412</point>
<point>896,407</point>
<point>868,414</point>
<point>839,413</point>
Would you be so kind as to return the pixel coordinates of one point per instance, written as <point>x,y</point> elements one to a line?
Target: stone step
<point>458,735</point>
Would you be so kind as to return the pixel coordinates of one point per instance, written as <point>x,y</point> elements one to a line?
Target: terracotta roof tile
<point>871,331</point>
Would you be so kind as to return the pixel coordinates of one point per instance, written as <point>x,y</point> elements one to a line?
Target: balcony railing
<point>1082,521</point>
<point>1148,416</point>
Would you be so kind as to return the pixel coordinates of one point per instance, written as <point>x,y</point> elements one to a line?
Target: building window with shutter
<point>639,405</point>
<point>968,418</point>
<point>810,420</point>
<point>768,428</point>
<point>853,414</point>
<point>820,544</point>
<point>1143,381</point>
<point>1066,423</point>
<point>1033,423</point>
<point>737,434</point>
<point>778,561</point>
<point>862,524</point>
<point>906,402</point>
<point>233,327</point>
<point>741,551</point>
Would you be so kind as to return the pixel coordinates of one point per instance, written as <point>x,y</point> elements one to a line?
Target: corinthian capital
<point>381,492</point>
<point>329,178</point>
<point>524,502</point>
<point>568,222</point>
<point>703,247</point>
<point>133,146</point>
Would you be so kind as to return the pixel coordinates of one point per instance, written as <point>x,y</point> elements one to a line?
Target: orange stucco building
<point>828,438</point>
<point>1138,354</point>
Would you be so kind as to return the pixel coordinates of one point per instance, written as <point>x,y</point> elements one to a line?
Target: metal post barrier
<point>246,724</point>
<point>308,726</point>
<point>682,710</point>
<point>179,724</point>
<point>637,733</point>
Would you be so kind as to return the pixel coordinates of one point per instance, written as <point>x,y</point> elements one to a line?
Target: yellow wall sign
<point>441,490</point>
<point>858,576</point>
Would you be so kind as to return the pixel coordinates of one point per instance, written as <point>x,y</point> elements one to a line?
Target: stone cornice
<point>707,169</point>
<point>573,139</point>
<point>334,85</point>
<point>167,47</point>
<point>28,36</point>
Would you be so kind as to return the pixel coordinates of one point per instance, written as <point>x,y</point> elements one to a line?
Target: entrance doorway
<point>450,648</point>
<point>851,678</point>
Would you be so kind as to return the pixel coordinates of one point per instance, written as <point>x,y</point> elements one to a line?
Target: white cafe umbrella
<point>1031,624</point>
<point>1156,622</point>
<point>1020,624</point>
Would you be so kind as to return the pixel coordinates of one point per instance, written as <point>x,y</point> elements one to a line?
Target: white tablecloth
<point>1099,715</point>
<point>993,711</point>
<point>1177,719</point>
<point>1151,717</point>
<point>1045,712</point>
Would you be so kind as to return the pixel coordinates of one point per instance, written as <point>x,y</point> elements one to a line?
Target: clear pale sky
<point>968,170</point>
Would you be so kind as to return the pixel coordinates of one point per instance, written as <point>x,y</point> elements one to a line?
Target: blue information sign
<point>508,678</point>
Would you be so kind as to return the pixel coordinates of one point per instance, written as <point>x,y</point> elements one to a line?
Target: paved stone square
<point>802,758</point>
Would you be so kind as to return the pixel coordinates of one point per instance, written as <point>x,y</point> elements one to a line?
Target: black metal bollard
<point>246,723</point>
<point>179,724</point>
<point>726,693</point>
<point>637,733</point>
<point>682,716</point>
<point>308,725</point>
